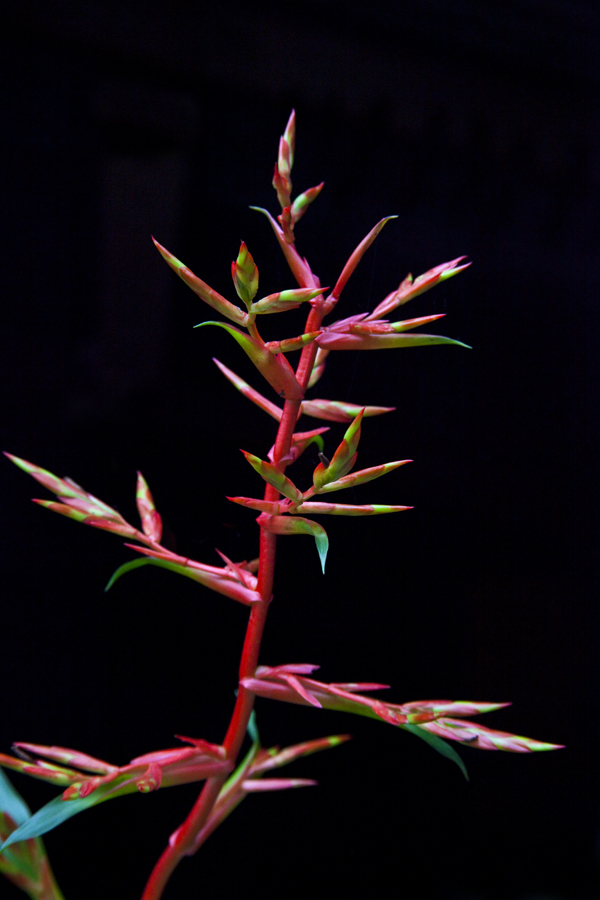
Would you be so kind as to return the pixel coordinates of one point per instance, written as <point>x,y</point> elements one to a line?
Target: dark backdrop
<point>477,123</point>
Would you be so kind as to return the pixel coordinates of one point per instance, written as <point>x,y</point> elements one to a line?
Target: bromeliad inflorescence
<point>285,508</point>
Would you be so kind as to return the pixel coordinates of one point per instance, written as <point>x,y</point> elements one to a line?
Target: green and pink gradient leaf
<point>151,520</point>
<point>366,327</point>
<point>274,369</point>
<point>285,300</point>
<point>298,266</point>
<point>244,388</point>
<point>363,476</point>
<point>336,411</point>
<point>356,257</point>
<point>335,341</point>
<point>303,201</point>
<point>297,525</point>
<point>288,345</point>
<point>274,477</point>
<point>318,367</point>
<point>346,509</point>
<point>343,458</point>
<point>200,288</point>
<point>78,504</point>
<point>409,289</point>
<point>330,410</point>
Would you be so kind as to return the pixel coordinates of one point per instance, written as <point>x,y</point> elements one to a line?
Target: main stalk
<point>183,842</point>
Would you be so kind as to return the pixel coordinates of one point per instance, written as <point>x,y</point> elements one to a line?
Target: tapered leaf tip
<point>322,542</point>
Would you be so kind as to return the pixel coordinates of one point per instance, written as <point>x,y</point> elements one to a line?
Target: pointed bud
<point>345,509</point>
<point>68,756</point>
<point>287,224</point>
<point>151,520</point>
<point>202,289</point>
<point>277,758</point>
<point>150,780</point>
<point>288,345</point>
<point>289,136</point>
<point>343,458</point>
<point>254,785</point>
<point>245,275</point>
<point>303,201</point>
<point>40,770</point>
<point>318,367</point>
<point>283,187</point>
<point>482,738</point>
<point>409,289</point>
<point>392,327</point>
<point>274,477</point>
<point>362,476</point>
<point>336,411</point>
<point>284,300</point>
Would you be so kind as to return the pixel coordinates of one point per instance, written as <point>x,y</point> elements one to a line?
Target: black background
<point>476,123</point>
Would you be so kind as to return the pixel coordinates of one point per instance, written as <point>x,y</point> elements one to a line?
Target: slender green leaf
<point>11,801</point>
<point>253,729</point>
<point>438,744</point>
<point>58,811</point>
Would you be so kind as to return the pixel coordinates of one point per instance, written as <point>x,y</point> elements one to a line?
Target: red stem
<point>183,841</point>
